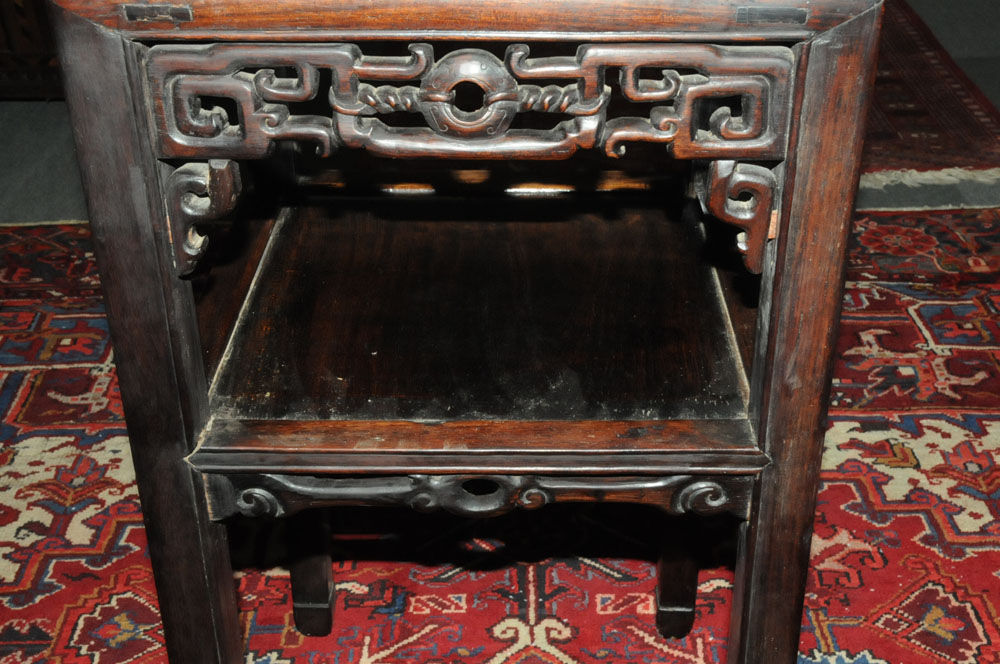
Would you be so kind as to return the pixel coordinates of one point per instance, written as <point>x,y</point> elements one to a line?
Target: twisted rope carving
<point>550,99</point>
<point>389,99</point>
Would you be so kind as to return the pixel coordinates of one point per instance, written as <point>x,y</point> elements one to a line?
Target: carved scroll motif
<point>282,495</point>
<point>742,195</point>
<point>195,193</point>
<point>702,101</point>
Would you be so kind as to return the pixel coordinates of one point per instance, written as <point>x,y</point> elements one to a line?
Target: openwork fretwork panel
<point>701,101</point>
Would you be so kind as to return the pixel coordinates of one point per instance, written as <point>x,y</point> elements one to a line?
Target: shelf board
<point>582,309</point>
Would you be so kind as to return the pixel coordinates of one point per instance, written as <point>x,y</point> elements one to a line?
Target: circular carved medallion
<point>479,68</point>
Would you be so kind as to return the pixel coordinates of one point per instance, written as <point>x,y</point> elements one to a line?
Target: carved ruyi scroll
<point>742,195</point>
<point>195,193</point>
<point>282,495</point>
<point>701,101</point>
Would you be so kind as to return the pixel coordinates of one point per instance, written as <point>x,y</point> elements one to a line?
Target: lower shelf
<point>566,336</point>
<point>441,310</point>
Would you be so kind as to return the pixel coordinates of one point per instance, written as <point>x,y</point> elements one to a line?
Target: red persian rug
<point>905,554</point>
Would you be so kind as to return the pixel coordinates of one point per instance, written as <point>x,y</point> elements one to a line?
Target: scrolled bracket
<point>195,193</point>
<point>256,501</point>
<point>743,195</point>
<point>700,497</point>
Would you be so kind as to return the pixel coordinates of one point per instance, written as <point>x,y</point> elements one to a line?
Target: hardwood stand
<point>399,255</point>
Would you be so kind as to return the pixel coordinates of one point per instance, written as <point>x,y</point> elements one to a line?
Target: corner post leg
<point>805,279</point>
<point>156,346</point>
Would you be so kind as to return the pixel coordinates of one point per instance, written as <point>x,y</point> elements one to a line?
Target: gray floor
<point>970,32</point>
<point>39,181</point>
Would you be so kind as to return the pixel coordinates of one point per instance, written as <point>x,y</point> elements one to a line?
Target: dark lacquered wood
<point>220,292</point>
<point>196,193</point>
<point>823,176</point>
<point>742,195</point>
<point>369,85</point>
<point>741,293</point>
<point>583,309</point>
<point>151,322</point>
<point>364,446</point>
<point>676,584</point>
<point>474,495</point>
<point>289,20</point>
<point>311,573</point>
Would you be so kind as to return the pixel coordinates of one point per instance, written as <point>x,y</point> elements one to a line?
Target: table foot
<point>677,586</point>
<point>311,571</point>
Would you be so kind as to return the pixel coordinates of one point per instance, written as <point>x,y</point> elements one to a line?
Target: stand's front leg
<point>151,318</point>
<point>821,176</point>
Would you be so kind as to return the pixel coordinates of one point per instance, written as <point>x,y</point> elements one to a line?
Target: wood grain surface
<point>303,20</point>
<point>425,310</point>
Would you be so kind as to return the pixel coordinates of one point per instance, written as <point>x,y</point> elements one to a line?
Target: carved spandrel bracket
<point>706,101</point>
<point>477,496</point>
<point>195,193</point>
<point>743,195</point>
